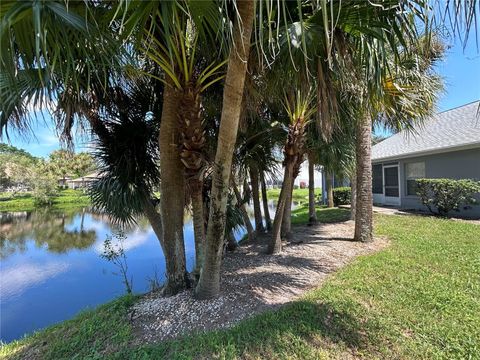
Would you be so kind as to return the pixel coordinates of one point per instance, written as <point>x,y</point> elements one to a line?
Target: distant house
<point>444,146</point>
<point>302,179</point>
<point>63,181</point>
<point>83,182</point>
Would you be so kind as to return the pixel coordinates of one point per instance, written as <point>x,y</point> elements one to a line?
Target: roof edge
<point>457,107</point>
<point>441,150</point>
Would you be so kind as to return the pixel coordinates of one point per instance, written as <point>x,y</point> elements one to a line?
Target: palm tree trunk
<point>209,283</point>
<point>243,211</point>
<point>256,200</point>
<point>330,189</point>
<point>172,188</point>
<point>155,221</point>
<point>353,197</point>
<point>191,150</point>
<point>196,189</point>
<point>363,211</point>
<point>287,213</point>
<point>275,245</point>
<point>246,189</point>
<point>266,210</point>
<point>312,214</point>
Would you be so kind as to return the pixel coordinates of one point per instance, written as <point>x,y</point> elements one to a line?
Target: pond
<point>50,265</point>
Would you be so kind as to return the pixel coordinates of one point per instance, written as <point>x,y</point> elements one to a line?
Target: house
<point>302,179</point>
<point>63,181</point>
<point>83,182</point>
<point>446,145</point>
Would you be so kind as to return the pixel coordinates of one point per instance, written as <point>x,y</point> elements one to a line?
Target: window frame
<point>410,178</point>
<point>381,176</point>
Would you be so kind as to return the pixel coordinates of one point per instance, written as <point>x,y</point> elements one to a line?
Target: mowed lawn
<point>298,195</point>
<point>417,299</point>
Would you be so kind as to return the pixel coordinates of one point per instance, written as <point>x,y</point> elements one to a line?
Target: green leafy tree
<point>44,184</point>
<point>16,168</point>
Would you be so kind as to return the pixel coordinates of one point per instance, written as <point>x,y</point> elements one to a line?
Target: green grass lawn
<point>417,299</point>
<point>25,202</point>
<point>324,214</point>
<point>298,195</point>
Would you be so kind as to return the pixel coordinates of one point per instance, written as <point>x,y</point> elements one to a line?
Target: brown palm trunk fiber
<point>172,188</point>
<point>363,211</point>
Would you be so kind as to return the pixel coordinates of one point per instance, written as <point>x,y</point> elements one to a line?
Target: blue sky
<point>460,70</point>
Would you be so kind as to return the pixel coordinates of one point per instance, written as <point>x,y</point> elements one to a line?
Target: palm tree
<point>126,150</point>
<point>255,155</point>
<point>300,110</point>
<point>176,50</point>
<point>209,283</point>
<point>408,94</point>
<point>338,153</point>
<point>46,47</point>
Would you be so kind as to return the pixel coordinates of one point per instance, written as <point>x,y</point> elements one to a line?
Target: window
<point>414,171</point>
<point>377,181</point>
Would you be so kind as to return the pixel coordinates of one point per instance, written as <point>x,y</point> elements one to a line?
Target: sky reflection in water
<point>50,266</point>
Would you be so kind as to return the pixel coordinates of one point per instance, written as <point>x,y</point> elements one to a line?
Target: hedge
<point>441,196</point>
<point>342,195</point>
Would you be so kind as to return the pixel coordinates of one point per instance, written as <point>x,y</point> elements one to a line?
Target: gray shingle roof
<point>445,131</point>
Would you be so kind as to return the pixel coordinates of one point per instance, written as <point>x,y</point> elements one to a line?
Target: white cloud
<point>132,240</point>
<point>17,279</point>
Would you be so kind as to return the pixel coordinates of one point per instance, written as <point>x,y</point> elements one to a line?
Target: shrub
<point>44,188</point>
<point>342,195</point>
<point>441,196</point>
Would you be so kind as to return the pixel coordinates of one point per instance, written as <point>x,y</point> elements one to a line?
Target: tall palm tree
<point>176,50</point>
<point>364,37</point>
<point>408,95</point>
<point>209,283</point>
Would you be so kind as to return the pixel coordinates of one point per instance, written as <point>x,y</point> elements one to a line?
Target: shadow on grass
<point>307,325</point>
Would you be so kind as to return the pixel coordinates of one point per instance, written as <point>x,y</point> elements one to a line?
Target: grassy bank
<point>299,195</point>
<point>418,299</point>
<point>25,202</point>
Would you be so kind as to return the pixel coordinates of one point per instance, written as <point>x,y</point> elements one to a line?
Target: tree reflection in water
<point>48,229</point>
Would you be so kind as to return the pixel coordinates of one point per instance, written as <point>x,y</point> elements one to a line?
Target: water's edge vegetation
<point>25,202</point>
<point>76,198</point>
<point>405,301</point>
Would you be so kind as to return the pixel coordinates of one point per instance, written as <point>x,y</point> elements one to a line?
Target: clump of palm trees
<point>194,98</point>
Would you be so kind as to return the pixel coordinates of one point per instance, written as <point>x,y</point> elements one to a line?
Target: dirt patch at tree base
<point>253,282</point>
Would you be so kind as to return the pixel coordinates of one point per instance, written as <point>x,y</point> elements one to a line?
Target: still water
<point>50,265</point>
